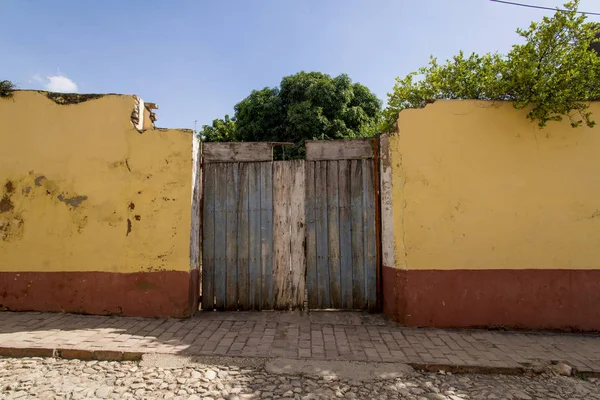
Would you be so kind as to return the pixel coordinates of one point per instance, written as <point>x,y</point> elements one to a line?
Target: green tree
<point>6,89</point>
<point>221,130</point>
<point>554,73</point>
<point>306,106</point>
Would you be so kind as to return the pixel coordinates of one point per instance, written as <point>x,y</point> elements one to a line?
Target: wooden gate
<point>342,228</point>
<point>273,230</point>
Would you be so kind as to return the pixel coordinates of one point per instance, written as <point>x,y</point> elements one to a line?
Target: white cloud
<point>60,84</point>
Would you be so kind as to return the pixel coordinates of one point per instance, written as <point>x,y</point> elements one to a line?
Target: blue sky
<point>196,59</point>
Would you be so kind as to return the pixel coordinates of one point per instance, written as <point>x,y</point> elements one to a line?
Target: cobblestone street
<point>243,356</point>
<point>318,335</point>
<point>239,378</point>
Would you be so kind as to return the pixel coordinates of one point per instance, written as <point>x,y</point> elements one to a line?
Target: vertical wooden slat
<point>220,237</point>
<point>345,233</point>
<point>358,261</point>
<point>195,233</point>
<point>322,234</point>
<point>195,285</point>
<point>333,235</point>
<point>254,262</point>
<point>370,234</point>
<point>242,237</point>
<point>378,227</point>
<point>208,242</point>
<point>311,237</point>
<point>266,234</point>
<point>297,237</point>
<point>231,232</point>
<point>281,234</point>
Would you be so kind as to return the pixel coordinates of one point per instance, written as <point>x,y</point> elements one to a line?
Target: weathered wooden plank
<point>377,207</point>
<point>311,238</point>
<point>297,237</point>
<point>333,235</point>
<point>322,234</point>
<point>237,152</point>
<point>266,234</point>
<point>282,234</point>
<point>220,236</point>
<point>232,231</point>
<point>254,262</point>
<point>208,233</point>
<point>358,260</point>
<point>345,233</point>
<point>195,234</point>
<point>242,238</point>
<point>370,234</point>
<point>338,149</point>
<point>196,225</point>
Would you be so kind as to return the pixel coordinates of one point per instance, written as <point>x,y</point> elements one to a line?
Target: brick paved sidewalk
<point>319,335</point>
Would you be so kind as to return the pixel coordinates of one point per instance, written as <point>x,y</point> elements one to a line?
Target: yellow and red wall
<point>95,215</point>
<point>490,221</point>
<point>486,219</point>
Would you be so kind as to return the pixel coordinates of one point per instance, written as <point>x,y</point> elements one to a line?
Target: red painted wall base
<point>523,299</point>
<point>144,294</point>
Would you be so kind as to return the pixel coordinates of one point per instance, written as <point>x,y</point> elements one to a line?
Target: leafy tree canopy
<point>7,88</point>
<point>307,105</point>
<point>554,73</point>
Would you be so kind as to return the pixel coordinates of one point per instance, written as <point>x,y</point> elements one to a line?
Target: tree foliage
<point>6,89</point>
<point>307,105</point>
<point>554,73</point>
<point>221,130</point>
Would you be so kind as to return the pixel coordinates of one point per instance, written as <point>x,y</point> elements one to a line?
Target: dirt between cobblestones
<point>235,378</point>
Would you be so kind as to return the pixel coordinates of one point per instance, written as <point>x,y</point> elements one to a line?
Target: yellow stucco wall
<point>476,185</point>
<point>137,186</point>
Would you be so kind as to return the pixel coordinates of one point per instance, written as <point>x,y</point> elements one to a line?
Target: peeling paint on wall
<point>11,222</point>
<point>38,181</point>
<point>6,204</point>
<point>65,210</point>
<point>11,229</point>
<point>74,201</point>
<point>388,244</point>
<point>95,212</point>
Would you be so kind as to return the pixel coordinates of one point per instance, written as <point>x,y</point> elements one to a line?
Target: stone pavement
<point>316,335</point>
<point>238,378</point>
